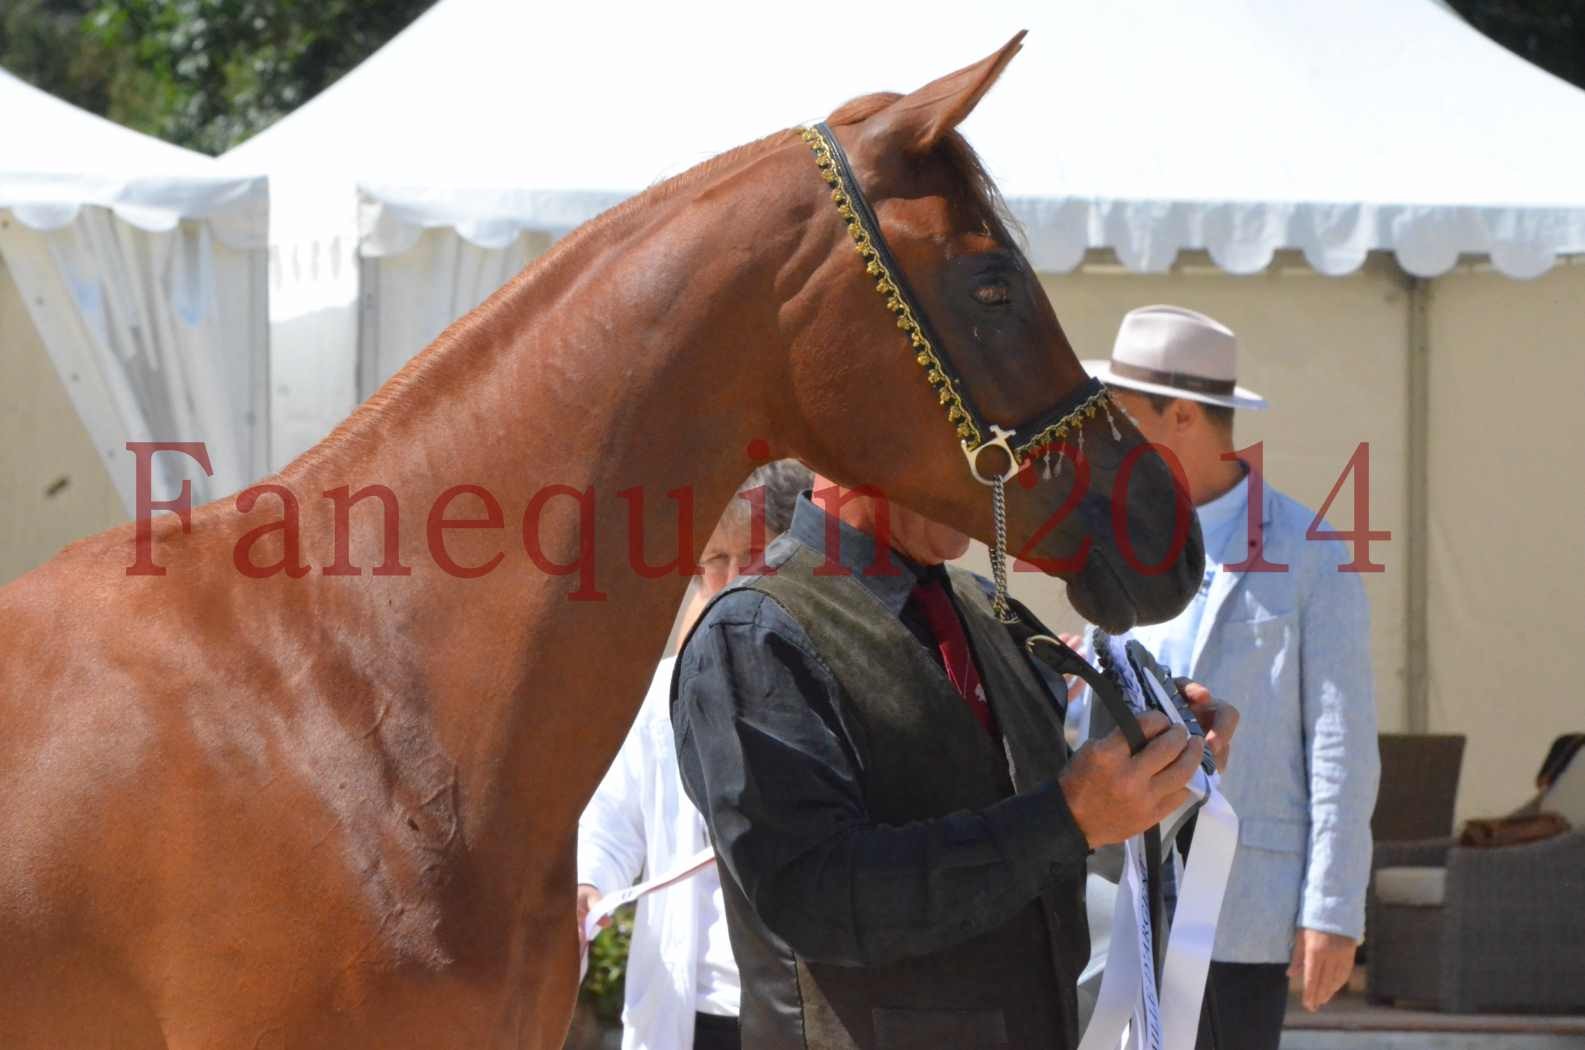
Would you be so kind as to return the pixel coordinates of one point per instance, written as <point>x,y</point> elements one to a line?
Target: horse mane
<point>955,149</point>
<point>364,422</point>
<point>665,190</point>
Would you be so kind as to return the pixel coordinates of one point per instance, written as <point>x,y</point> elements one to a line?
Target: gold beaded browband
<point>1022,443</point>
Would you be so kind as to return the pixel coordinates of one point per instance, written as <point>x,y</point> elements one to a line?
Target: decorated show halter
<point>1023,444</point>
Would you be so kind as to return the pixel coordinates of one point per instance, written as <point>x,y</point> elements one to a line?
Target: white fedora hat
<point>1179,353</point>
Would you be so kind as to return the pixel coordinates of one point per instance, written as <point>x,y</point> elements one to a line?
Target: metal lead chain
<point>999,552</point>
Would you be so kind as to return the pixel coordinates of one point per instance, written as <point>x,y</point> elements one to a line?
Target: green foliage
<point>607,977</point>
<point>209,73</point>
<point>204,74</point>
<point>1549,33</point>
<point>42,41</point>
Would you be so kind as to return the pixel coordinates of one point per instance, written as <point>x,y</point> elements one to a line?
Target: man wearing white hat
<point>1290,648</point>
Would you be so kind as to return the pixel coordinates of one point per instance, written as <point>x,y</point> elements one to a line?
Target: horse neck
<point>628,359</point>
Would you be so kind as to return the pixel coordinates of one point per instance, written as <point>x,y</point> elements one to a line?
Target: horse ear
<point>915,123</point>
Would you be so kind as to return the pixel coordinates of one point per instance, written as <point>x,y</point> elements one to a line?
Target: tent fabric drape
<point>157,335</point>
<point>333,347</point>
<point>411,298</point>
<point>313,287</point>
<point>142,266</point>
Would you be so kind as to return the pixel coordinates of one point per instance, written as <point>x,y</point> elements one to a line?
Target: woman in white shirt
<point>682,982</point>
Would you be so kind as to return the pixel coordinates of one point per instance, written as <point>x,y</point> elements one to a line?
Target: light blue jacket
<point>1290,650</point>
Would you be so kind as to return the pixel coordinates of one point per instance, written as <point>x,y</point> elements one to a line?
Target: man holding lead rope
<point>902,832</point>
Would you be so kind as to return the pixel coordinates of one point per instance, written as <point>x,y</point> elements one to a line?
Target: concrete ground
<point>1351,1022</point>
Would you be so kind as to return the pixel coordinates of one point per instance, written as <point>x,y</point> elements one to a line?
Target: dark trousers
<point>1244,1006</point>
<point>713,1032</point>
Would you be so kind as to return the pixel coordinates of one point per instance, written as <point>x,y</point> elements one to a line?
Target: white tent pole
<point>1417,707</point>
<point>369,377</point>
<point>261,423</point>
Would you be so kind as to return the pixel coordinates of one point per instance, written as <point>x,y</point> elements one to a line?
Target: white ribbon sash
<point>1131,1013</point>
<point>1194,925</point>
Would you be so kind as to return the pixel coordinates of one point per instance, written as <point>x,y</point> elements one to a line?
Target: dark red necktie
<point>953,644</point>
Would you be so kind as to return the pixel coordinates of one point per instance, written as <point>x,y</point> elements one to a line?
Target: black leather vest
<point>923,756</point>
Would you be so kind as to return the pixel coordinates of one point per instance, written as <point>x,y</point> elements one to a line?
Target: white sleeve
<point>611,843</point>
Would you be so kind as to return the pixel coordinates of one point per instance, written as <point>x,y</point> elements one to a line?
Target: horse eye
<point>995,294</point>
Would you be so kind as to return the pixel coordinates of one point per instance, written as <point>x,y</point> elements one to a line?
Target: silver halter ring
<point>998,439</point>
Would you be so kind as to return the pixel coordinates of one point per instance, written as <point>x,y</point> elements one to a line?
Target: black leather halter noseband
<point>1021,443</point>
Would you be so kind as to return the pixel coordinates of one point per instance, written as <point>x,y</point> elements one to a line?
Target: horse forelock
<point>959,155</point>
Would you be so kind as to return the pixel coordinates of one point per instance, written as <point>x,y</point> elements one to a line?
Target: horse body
<point>324,806</point>
<point>205,844</point>
<point>308,807</point>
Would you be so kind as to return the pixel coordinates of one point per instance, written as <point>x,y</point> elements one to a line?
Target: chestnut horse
<point>333,805</point>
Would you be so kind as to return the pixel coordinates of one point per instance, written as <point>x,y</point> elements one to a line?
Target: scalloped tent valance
<point>1142,126</point>
<point>1240,237</point>
<point>60,159</point>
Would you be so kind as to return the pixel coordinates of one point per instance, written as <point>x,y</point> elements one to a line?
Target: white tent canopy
<point>411,189</point>
<point>1236,126</point>
<point>142,268</point>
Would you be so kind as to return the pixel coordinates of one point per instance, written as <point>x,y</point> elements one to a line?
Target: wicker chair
<point>1414,802</point>
<point>1484,930</point>
<point>1419,786</point>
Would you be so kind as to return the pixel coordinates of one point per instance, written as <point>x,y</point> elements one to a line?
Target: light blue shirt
<point>1173,642</point>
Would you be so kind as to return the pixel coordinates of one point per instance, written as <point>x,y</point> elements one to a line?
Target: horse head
<point>894,388</point>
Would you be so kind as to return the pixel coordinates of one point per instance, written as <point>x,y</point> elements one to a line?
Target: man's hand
<point>588,897</point>
<point>1323,962</point>
<point>1114,795</point>
<point>1218,718</point>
